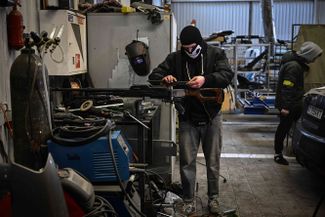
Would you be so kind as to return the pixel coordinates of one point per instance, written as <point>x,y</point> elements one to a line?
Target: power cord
<point>3,153</point>
<point>158,198</point>
<point>318,205</point>
<point>224,178</point>
<point>129,199</point>
<point>4,112</point>
<point>97,132</point>
<point>102,206</point>
<point>156,188</point>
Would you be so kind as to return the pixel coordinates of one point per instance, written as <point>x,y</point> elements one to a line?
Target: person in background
<point>200,66</point>
<point>290,91</point>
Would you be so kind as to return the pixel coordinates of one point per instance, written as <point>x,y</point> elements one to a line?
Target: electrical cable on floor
<point>153,186</point>
<point>165,189</point>
<point>157,203</point>
<point>224,178</point>
<point>159,176</point>
<point>98,206</point>
<point>193,214</point>
<point>102,206</point>
<point>105,201</point>
<point>318,205</point>
<point>129,199</point>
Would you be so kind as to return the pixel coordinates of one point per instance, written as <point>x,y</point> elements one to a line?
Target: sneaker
<point>214,206</point>
<point>280,160</point>
<point>185,208</point>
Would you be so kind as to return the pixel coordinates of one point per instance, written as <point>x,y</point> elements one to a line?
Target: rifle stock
<point>206,94</point>
<point>203,94</point>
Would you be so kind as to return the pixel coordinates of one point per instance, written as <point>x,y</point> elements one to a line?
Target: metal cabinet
<point>70,58</point>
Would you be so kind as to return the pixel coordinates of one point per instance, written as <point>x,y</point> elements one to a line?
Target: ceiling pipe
<point>268,21</point>
<point>316,12</point>
<point>250,19</point>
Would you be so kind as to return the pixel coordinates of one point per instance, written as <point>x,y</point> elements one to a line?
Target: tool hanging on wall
<point>153,12</point>
<point>15,28</point>
<point>138,54</point>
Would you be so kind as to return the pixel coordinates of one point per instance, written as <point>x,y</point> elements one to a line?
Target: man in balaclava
<point>290,91</point>
<point>199,65</point>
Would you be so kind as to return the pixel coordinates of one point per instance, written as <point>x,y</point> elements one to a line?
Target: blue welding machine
<point>94,160</point>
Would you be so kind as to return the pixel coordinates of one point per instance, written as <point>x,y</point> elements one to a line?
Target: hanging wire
<point>8,123</point>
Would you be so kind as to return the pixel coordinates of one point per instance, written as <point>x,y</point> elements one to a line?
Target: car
<point>308,139</point>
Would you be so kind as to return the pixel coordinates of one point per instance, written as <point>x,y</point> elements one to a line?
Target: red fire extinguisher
<point>15,28</point>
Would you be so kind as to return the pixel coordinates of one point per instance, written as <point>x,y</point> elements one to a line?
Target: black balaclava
<point>190,35</point>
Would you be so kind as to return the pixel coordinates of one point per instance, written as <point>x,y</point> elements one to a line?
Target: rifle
<point>206,94</point>
<point>202,94</point>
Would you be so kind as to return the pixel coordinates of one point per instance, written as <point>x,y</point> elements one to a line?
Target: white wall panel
<point>257,22</point>
<point>321,9</point>
<point>213,17</point>
<point>217,15</point>
<point>287,13</point>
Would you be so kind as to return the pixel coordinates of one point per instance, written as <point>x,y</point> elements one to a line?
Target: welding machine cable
<point>81,141</point>
<point>109,139</point>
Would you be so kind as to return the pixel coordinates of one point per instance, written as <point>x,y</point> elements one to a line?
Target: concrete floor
<point>255,185</point>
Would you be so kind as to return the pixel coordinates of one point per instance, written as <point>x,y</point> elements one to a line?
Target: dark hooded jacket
<point>290,87</point>
<point>217,73</point>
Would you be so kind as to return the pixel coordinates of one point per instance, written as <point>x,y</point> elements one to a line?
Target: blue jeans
<point>210,136</point>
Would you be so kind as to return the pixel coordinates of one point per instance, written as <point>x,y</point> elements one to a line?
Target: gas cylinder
<point>15,29</point>
<point>30,109</point>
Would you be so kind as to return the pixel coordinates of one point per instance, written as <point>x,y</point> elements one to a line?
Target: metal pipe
<point>268,21</point>
<point>316,12</point>
<point>250,19</point>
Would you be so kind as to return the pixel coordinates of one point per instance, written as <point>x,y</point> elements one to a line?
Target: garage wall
<point>321,10</point>
<point>215,15</point>
<point>287,13</point>
<point>29,10</point>
<point>212,16</point>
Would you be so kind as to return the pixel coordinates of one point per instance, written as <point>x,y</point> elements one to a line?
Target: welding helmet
<point>138,54</point>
